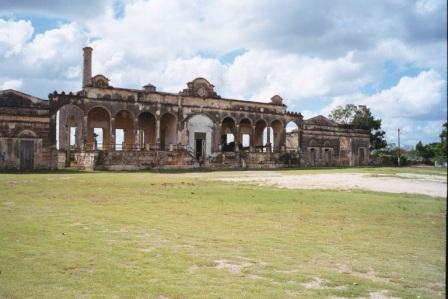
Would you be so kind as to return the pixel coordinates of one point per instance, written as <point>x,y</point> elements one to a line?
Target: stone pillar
<point>216,138</point>
<point>112,133</point>
<point>87,65</point>
<point>136,145</point>
<point>158,134</point>
<point>84,133</point>
<point>179,134</point>
<point>237,138</point>
<point>268,139</point>
<point>282,143</point>
<point>252,140</point>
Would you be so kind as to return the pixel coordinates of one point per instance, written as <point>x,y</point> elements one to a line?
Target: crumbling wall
<point>25,142</point>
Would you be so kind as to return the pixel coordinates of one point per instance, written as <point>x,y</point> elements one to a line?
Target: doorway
<point>199,145</point>
<point>26,155</point>
<point>361,156</point>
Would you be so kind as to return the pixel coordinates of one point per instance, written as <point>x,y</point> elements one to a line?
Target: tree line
<point>362,117</point>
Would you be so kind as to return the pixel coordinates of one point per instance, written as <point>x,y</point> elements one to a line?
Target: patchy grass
<point>423,170</point>
<point>149,235</point>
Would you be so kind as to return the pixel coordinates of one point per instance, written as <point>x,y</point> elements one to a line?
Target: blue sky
<point>389,55</point>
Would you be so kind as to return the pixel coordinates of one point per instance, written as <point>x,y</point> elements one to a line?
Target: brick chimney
<point>87,66</point>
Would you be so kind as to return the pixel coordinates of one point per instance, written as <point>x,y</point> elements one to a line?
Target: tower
<point>87,65</point>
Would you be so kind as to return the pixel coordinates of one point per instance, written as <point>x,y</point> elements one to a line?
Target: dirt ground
<point>400,183</point>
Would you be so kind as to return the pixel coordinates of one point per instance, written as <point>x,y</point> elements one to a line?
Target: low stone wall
<point>140,160</point>
<point>86,160</point>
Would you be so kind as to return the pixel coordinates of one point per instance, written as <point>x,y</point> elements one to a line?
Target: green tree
<point>441,151</point>
<point>436,151</point>
<point>362,117</point>
<point>426,152</point>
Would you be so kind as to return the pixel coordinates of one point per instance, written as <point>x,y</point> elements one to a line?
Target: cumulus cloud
<point>419,97</point>
<point>262,74</point>
<point>48,61</point>
<point>414,104</point>
<point>13,36</point>
<point>309,52</point>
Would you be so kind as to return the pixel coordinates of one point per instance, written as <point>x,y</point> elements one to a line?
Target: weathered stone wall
<point>159,130</point>
<point>24,120</point>
<point>325,143</point>
<point>184,107</point>
<point>138,160</point>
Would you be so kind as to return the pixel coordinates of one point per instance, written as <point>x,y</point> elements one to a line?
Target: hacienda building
<point>105,127</point>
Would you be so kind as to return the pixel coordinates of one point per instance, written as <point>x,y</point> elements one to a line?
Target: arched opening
<point>327,155</point>
<point>69,135</point>
<point>168,131</point>
<point>147,130</point>
<point>260,135</point>
<point>124,130</point>
<point>292,137</point>
<point>228,134</point>
<point>26,149</point>
<point>245,133</point>
<point>313,156</point>
<point>200,135</point>
<point>313,152</point>
<point>277,128</point>
<point>98,129</point>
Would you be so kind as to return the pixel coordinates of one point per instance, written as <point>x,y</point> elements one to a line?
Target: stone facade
<point>106,127</point>
<point>326,143</point>
<point>24,133</point>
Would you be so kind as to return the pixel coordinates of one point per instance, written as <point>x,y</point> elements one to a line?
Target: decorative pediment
<point>321,121</point>
<point>99,81</point>
<point>277,100</point>
<point>14,98</point>
<point>200,87</point>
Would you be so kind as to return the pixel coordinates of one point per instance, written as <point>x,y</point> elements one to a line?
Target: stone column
<point>84,133</point>
<point>237,138</point>
<point>268,139</point>
<point>87,66</point>
<point>252,140</point>
<point>179,133</point>
<point>136,135</point>
<point>282,142</point>
<point>112,134</point>
<point>158,134</point>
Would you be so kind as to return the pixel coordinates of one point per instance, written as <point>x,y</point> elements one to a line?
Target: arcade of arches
<point>105,127</point>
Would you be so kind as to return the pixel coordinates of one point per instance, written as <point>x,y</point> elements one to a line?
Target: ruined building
<point>107,127</point>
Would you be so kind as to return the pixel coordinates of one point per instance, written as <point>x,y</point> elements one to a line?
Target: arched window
<point>228,134</point>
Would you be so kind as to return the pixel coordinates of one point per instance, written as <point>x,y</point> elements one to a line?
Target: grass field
<point>161,235</point>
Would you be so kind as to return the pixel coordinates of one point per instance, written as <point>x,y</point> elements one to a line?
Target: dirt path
<point>401,183</point>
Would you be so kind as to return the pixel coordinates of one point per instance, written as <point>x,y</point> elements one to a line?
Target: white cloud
<point>262,74</point>
<point>13,36</point>
<point>11,84</point>
<point>305,51</point>
<point>54,45</point>
<point>412,105</point>
<point>412,97</point>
